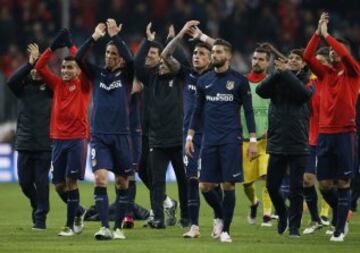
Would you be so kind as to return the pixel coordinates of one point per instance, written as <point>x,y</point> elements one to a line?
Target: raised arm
<point>267,87</point>
<point>197,34</point>
<point>302,93</point>
<point>113,31</point>
<point>272,49</point>
<point>41,66</point>
<point>88,68</point>
<point>349,62</point>
<point>16,80</point>
<point>310,51</point>
<point>169,50</point>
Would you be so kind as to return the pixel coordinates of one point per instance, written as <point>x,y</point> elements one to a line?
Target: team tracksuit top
<point>219,98</point>
<point>34,106</point>
<point>340,88</point>
<point>189,96</point>
<point>112,90</point>
<point>70,102</point>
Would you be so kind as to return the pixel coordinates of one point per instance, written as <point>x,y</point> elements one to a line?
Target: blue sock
<point>331,198</point>
<point>80,210</point>
<point>63,196</point>
<point>219,191</point>
<point>228,209</point>
<point>102,205</point>
<point>213,200</point>
<point>193,201</point>
<point>72,206</point>
<point>121,203</point>
<point>311,198</point>
<point>344,199</point>
<point>132,194</point>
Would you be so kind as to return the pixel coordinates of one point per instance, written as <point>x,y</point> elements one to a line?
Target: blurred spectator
<point>285,23</point>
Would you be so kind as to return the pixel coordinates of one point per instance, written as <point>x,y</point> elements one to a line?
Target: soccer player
<point>309,190</point>
<point>111,140</point>
<point>32,136</point>
<point>257,168</point>
<point>69,125</point>
<point>165,132</point>
<point>287,136</point>
<point>200,65</point>
<point>220,94</point>
<point>337,125</point>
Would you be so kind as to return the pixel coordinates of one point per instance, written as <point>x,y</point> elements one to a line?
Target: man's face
<point>259,62</point>
<point>322,59</point>
<point>295,62</point>
<point>334,57</point>
<point>201,58</point>
<point>219,56</point>
<point>69,70</point>
<point>112,58</point>
<point>153,57</point>
<point>163,68</point>
<point>35,75</point>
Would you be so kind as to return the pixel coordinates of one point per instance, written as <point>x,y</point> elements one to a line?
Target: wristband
<point>189,138</point>
<point>203,37</point>
<point>253,139</point>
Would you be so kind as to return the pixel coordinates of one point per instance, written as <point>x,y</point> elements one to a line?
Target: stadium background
<point>285,23</point>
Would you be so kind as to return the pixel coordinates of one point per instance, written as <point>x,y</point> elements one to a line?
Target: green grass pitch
<point>16,234</point>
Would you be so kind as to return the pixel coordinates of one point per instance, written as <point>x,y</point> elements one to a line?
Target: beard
<point>219,63</point>
<point>256,69</point>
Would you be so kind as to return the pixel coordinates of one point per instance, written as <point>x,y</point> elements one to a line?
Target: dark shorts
<point>136,141</point>
<point>311,162</point>
<point>112,152</point>
<point>68,159</point>
<point>192,162</point>
<point>221,163</point>
<point>336,156</point>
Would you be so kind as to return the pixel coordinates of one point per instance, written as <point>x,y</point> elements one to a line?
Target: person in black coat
<point>32,136</point>
<point>288,143</point>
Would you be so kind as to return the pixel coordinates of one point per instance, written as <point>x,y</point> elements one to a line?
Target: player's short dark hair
<point>297,51</point>
<point>157,45</point>
<point>224,43</point>
<point>69,58</point>
<point>324,51</point>
<point>203,45</point>
<point>263,51</point>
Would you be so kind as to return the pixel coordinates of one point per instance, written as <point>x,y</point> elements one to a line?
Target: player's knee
<point>206,187</point>
<point>326,185</point>
<point>343,184</point>
<point>228,186</point>
<point>101,178</point>
<point>60,187</point>
<point>122,182</point>
<point>71,184</point>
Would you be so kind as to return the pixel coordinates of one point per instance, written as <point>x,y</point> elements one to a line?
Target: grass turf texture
<point>16,234</point>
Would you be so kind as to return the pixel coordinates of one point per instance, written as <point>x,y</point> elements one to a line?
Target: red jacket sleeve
<point>309,56</point>
<point>350,63</point>
<point>41,66</point>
